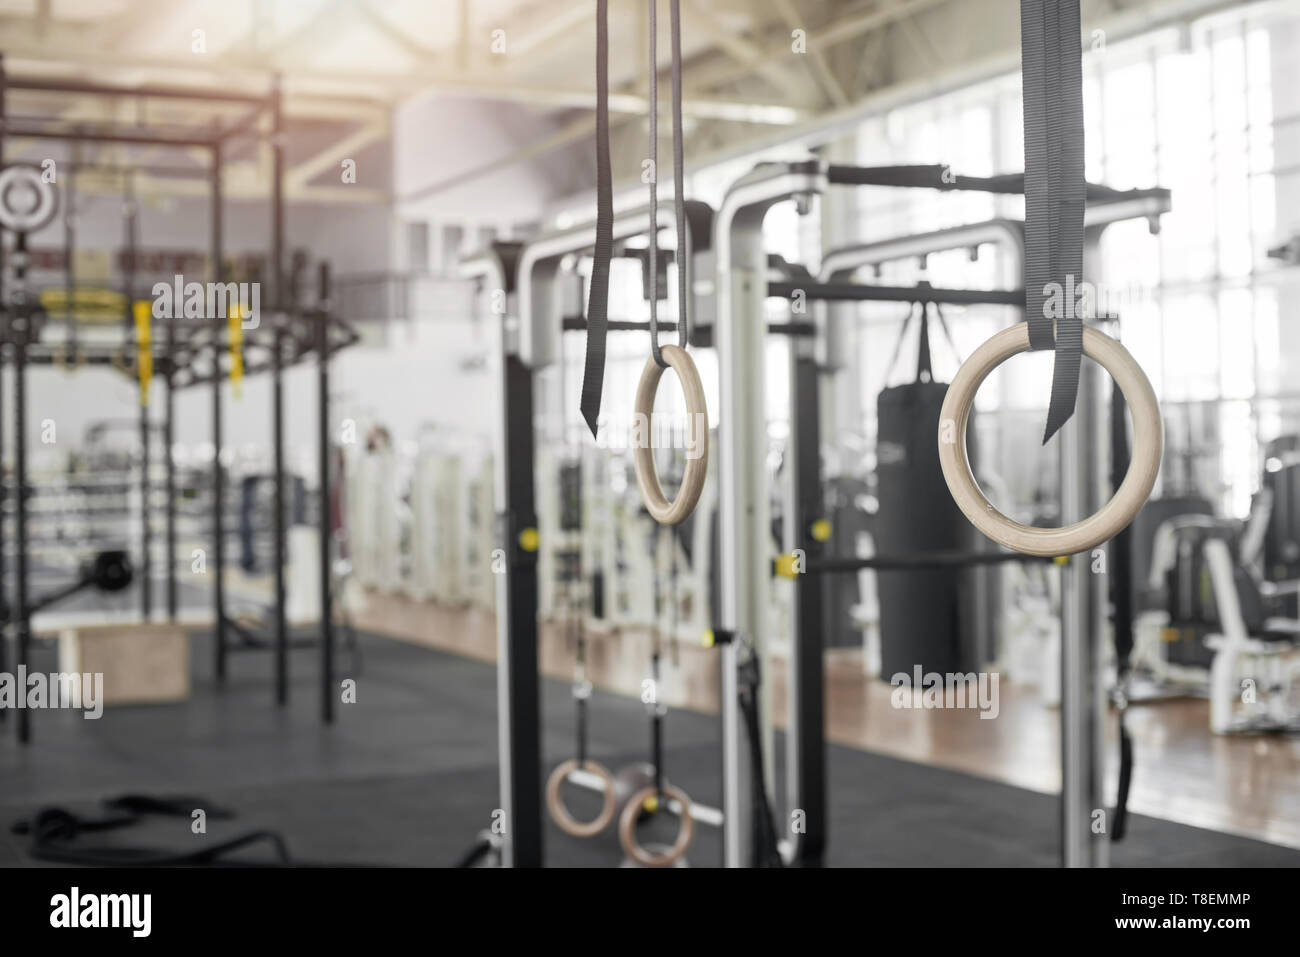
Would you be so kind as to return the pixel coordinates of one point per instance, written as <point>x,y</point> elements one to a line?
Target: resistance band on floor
<point>56,835</point>
<point>766,851</point>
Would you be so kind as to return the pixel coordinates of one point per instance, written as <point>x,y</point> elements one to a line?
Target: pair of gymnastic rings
<point>638,792</point>
<point>1148,439</point>
<point>647,798</point>
<point>1113,517</point>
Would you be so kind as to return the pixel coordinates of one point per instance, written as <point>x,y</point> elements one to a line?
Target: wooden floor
<point>1243,785</point>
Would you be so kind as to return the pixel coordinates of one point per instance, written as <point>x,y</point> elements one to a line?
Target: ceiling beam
<point>554,24</point>
<point>227,69</point>
<point>839,30</point>
<point>739,49</point>
<point>817,64</point>
<point>332,155</point>
<point>391,33</point>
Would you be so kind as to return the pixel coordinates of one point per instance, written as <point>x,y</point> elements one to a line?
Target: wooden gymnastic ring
<point>560,813</point>
<point>1111,518</point>
<point>697,469</point>
<point>632,810</point>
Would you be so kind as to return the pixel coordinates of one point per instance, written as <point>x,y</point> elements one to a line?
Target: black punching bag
<point>927,616</point>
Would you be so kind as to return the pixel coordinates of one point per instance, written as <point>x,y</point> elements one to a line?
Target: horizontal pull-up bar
<point>943,178</point>
<point>701,335</point>
<point>787,567</point>
<point>91,135</point>
<point>45,85</point>
<point>859,292</point>
<point>923,177</point>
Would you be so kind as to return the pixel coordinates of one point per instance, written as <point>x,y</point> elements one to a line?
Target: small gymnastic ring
<point>1111,518</point>
<point>25,176</point>
<point>697,468</point>
<point>560,813</point>
<point>632,810</point>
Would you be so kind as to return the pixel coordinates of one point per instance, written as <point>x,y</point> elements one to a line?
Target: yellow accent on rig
<point>235,325</point>
<point>529,539</point>
<point>143,346</point>
<point>821,530</point>
<point>785,566</point>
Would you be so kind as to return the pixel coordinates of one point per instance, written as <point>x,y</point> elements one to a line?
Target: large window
<point>1200,111</point>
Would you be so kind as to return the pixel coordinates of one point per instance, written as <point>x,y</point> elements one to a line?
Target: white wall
<point>438,139</point>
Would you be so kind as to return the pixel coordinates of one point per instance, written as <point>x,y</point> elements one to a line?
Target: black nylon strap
<point>924,370</point>
<point>656,725</point>
<point>1052,83</point>
<point>898,343</point>
<point>580,694</point>
<point>593,376</point>
<point>582,732</point>
<point>947,333</point>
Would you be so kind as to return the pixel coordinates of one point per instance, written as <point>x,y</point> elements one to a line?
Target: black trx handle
<point>593,376</point>
<point>1052,88</point>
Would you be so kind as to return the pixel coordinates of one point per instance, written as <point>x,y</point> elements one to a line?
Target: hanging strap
<point>679,179</point>
<point>593,376</point>
<point>679,202</point>
<point>652,241</point>
<point>898,344</point>
<point>924,372</point>
<point>947,334</point>
<point>598,301</point>
<point>1052,83</point>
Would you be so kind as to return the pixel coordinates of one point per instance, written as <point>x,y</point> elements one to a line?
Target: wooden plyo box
<point>141,663</point>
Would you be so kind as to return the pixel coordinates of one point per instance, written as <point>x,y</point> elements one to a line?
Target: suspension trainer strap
<point>652,241</point>
<point>581,692</point>
<point>766,849</point>
<point>1052,89</point>
<point>593,376</point>
<point>582,731</point>
<point>679,180</point>
<point>924,371</point>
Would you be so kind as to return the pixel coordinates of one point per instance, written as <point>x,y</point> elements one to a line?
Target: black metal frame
<point>806,475</point>
<point>324,335</point>
<point>517,511</point>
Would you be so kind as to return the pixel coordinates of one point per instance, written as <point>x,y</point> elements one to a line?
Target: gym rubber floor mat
<point>408,775</point>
